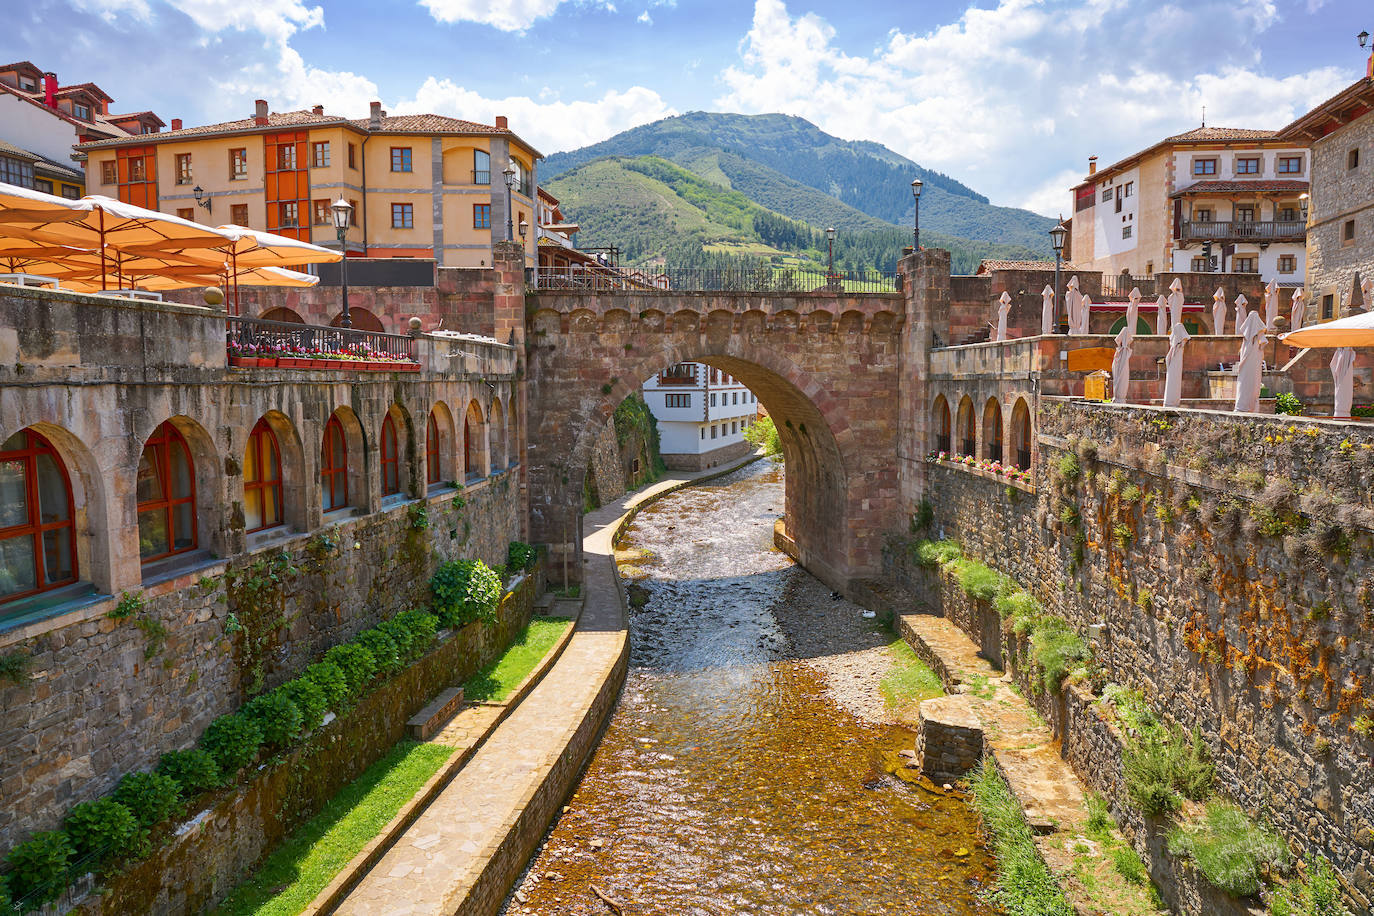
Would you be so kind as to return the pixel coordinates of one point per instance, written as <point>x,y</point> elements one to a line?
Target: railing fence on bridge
<point>765,279</point>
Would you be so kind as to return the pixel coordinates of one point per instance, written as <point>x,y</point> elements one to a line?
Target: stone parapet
<point>949,740</point>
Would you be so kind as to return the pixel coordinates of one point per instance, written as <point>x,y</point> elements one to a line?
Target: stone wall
<point>607,477</point>
<point>1335,267</point>
<point>1227,558</point>
<point>700,461</point>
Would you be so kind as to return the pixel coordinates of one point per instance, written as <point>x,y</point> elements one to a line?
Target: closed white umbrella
<point>1241,302</point>
<point>1250,366</point>
<point>1271,305</point>
<point>1343,375</point>
<point>1085,306</point>
<point>1121,365</point>
<point>1073,299</point>
<point>1003,307</point>
<point>1299,313</point>
<point>1161,315</point>
<point>1219,311</point>
<point>1175,303</point>
<point>1173,365</point>
<point>1133,308</point>
<point>1047,310</point>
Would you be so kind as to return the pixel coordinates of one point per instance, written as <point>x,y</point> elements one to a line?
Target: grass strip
<point>1024,883</point>
<point>310,858</point>
<point>495,682</point>
<point>910,681</point>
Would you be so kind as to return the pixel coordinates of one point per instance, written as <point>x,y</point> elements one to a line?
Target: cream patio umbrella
<point>190,276</point>
<point>252,248</point>
<point>1352,331</point>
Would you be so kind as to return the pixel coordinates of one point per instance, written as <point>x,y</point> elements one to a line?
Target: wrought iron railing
<point>763,279</point>
<point>480,176</point>
<point>1278,230</point>
<point>942,443</point>
<point>1120,285</point>
<point>1023,459</point>
<point>253,336</point>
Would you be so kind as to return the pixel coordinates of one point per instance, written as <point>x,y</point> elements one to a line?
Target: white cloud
<point>1012,97</point>
<point>505,15</point>
<point>548,125</point>
<point>645,18</point>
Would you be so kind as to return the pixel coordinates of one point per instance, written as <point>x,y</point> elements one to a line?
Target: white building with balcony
<point>702,414</point>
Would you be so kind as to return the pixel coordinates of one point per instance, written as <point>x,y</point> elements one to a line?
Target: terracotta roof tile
<point>275,119</point>
<point>987,265</point>
<point>10,149</point>
<point>1206,134</point>
<point>432,123</point>
<point>1240,187</point>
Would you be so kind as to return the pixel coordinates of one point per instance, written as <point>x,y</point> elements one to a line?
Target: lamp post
<point>1057,236</point>
<point>509,172</point>
<point>830,258</point>
<point>916,215</point>
<point>342,211</point>
<point>524,227</point>
<point>202,199</point>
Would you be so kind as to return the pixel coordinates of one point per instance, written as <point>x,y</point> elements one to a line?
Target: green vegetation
<point>1319,894</point>
<point>763,433</point>
<point>521,556</point>
<point>495,682</point>
<point>151,797</point>
<point>633,417</point>
<point>103,830</point>
<point>1288,403</point>
<point>1055,649</point>
<point>38,867</point>
<point>1163,767</point>
<point>937,553</point>
<point>195,771</point>
<point>979,581</point>
<point>278,719</point>
<point>464,591</point>
<point>302,866</point>
<point>233,741</point>
<point>1069,468</point>
<point>910,681</point>
<point>1232,852</point>
<point>1024,883</point>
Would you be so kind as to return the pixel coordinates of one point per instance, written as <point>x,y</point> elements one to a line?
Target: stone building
<point>702,414</point>
<point>1340,222</point>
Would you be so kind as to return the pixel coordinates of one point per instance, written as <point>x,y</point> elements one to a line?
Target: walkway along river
<point>742,771</point>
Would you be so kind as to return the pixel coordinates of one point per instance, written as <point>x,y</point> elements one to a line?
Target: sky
<point>1009,96</point>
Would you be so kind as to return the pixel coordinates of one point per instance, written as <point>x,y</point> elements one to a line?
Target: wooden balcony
<point>1283,230</point>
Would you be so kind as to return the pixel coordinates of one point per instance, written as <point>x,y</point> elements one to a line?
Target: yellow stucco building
<point>422,186</point>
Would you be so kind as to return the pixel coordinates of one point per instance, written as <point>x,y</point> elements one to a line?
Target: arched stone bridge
<point>827,366</point>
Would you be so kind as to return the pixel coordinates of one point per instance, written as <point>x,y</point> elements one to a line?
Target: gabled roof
<point>22,65</point>
<point>17,152</point>
<point>1198,135</point>
<point>136,116</point>
<point>1241,187</point>
<point>988,265</point>
<point>90,88</point>
<point>1351,102</point>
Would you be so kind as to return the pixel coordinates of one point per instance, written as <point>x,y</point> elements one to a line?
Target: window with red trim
<point>334,466</point>
<point>432,449</point>
<point>37,537</point>
<point>262,503</point>
<point>166,496</point>
<point>391,466</point>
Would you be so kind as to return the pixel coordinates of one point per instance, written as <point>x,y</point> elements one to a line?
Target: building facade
<point>422,186</point>
<point>702,414</point>
<point>1243,191</point>
<point>1340,220</point>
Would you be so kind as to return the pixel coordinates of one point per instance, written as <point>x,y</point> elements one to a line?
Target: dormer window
<point>27,84</point>
<point>82,112</point>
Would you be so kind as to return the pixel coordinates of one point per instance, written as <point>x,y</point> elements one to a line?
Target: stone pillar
<point>927,287</point>
<point>508,319</point>
<point>950,740</point>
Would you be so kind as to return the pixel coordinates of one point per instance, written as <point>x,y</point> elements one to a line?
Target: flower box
<point>267,362</point>
<point>244,362</point>
<point>293,362</point>
<point>320,363</point>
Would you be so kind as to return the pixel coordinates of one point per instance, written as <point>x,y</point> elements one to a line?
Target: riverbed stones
<point>950,740</point>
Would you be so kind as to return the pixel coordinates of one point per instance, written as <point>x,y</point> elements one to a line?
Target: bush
<point>937,553</point>
<point>1100,821</point>
<point>38,867</point>
<point>103,830</point>
<point>1055,648</point>
<point>1025,885</point>
<point>1317,895</point>
<point>464,591</point>
<point>195,771</point>
<point>1017,605</point>
<point>979,581</point>
<point>382,647</point>
<point>277,716</point>
<point>309,699</point>
<point>233,741</point>
<point>520,555</point>
<point>1128,865</point>
<point>152,797</point>
<point>1069,468</point>
<point>400,636</point>
<point>763,433</point>
<point>330,679</point>
<point>6,905</point>
<point>1147,765</point>
<point>1288,403</point>
<point>1232,852</point>
<point>355,662</point>
<point>422,626</point>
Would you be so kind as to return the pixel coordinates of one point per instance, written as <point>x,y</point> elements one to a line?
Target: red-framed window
<point>391,465</point>
<point>262,502</point>
<point>334,466</point>
<point>166,496</point>
<point>37,536</point>
<point>472,442</point>
<point>432,449</point>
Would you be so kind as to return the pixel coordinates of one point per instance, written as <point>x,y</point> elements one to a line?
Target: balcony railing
<point>1120,285</point>
<point>764,279</point>
<point>342,348</point>
<point>481,177</point>
<point>1279,230</point>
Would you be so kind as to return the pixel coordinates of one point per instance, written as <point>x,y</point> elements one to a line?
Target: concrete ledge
<point>429,720</point>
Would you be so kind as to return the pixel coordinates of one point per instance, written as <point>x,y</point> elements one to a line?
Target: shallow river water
<point>729,779</point>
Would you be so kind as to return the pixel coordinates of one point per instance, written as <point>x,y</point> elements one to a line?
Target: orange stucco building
<point>422,186</point>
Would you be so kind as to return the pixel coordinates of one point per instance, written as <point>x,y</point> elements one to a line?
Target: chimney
<point>374,120</point>
<point>260,113</point>
<point>318,109</point>
<point>501,122</point>
<point>1092,165</point>
<point>50,89</point>
<point>176,124</point>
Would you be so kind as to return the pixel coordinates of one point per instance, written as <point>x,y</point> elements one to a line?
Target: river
<point>742,771</point>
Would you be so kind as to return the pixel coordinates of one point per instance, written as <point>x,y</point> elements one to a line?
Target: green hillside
<point>658,212</point>
<point>770,157</point>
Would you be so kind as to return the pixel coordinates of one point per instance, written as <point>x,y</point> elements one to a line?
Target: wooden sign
<point>1091,359</point>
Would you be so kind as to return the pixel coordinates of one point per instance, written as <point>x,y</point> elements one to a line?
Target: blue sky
<point>1009,96</point>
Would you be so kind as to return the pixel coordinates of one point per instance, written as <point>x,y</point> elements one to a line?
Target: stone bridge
<point>826,365</point>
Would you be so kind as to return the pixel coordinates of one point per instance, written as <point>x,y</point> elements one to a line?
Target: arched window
<point>362,320</point>
<point>967,428</point>
<point>497,435</point>
<point>1021,434</point>
<point>37,537</point>
<point>472,443</point>
<point>391,465</point>
<point>262,506</point>
<point>283,314</point>
<point>166,496</point>
<point>942,425</point>
<point>481,167</point>
<point>431,449</point>
<point>992,430</point>
<point>333,466</point>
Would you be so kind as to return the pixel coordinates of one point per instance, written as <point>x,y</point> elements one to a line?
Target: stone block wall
<point>1335,266</point>
<point>607,475</point>
<point>949,742</point>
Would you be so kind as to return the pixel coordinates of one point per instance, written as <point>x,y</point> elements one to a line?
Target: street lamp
<point>524,227</point>
<point>342,211</point>
<point>916,215</point>
<point>1303,199</point>
<point>830,247</point>
<point>509,172</point>
<point>1057,236</point>
<point>200,193</point>
<point>1363,39</point>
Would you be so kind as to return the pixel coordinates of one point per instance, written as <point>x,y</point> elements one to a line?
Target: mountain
<point>658,211</point>
<point>771,158</point>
